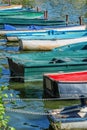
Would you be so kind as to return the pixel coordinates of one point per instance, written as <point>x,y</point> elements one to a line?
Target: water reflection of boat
<point>69,117</point>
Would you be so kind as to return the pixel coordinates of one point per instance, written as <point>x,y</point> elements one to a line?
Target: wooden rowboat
<point>28,67</point>
<point>70,117</point>
<point>65,85</point>
<point>46,35</point>
<point>20,29</point>
<point>14,11</point>
<point>22,21</point>
<point>72,47</point>
<point>8,7</point>
<point>26,14</point>
<point>51,35</point>
<point>45,45</point>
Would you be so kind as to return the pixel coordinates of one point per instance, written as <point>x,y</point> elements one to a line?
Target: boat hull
<point>46,45</point>
<point>26,29</point>
<point>25,15</point>
<point>65,85</point>
<point>23,73</point>
<point>22,21</point>
<point>70,117</point>
<point>69,125</point>
<point>34,64</point>
<point>8,7</point>
<point>47,35</point>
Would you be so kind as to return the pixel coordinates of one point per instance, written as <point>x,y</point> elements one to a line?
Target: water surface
<point>31,92</point>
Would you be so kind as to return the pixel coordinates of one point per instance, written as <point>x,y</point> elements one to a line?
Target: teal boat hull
<point>21,73</point>
<point>22,14</point>
<point>22,21</point>
<point>35,65</point>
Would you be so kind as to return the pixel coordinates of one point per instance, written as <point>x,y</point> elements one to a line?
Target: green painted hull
<point>27,67</point>
<point>22,14</point>
<point>36,73</point>
<point>27,21</point>
<point>72,47</point>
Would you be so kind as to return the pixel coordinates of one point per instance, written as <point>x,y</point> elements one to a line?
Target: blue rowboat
<point>19,29</point>
<point>51,39</point>
<point>70,117</point>
<point>9,27</point>
<point>46,35</point>
<point>53,35</point>
<point>48,32</point>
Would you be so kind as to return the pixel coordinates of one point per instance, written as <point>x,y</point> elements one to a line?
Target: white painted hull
<point>10,7</point>
<point>80,124</point>
<point>37,45</point>
<point>77,122</point>
<point>71,125</point>
<point>12,39</point>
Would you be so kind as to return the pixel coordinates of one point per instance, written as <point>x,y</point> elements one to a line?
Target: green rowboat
<point>27,21</point>
<point>31,67</point>
<point>22,14</point>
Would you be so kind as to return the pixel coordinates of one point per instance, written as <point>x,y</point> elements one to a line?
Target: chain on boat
<point>33,113</point>
<point>43,99</point>
<point>27,112</point>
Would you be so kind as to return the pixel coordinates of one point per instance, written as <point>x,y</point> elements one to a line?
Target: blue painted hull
<point>47,35</point>
<point>69,117</point>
